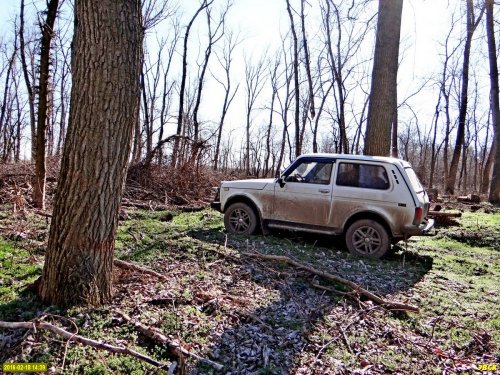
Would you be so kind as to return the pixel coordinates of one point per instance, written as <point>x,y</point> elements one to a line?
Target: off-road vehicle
<point>372,201</point>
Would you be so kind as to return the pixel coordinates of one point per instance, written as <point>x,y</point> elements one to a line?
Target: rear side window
<point>415,182</point>
<point>363,176</point>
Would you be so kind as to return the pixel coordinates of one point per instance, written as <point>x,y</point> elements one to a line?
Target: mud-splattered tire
<point>367,238</point>
<point>240,218</point>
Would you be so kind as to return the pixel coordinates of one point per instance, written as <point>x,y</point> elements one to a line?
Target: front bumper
<point>420,230</point>
<point>216,206</point>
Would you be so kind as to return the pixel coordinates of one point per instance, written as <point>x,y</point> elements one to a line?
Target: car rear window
<point>367,176</point>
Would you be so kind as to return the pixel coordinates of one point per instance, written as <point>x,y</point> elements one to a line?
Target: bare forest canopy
<point>217,95</point>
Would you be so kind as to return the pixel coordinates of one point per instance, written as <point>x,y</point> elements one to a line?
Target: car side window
<point>362,175</point>
<point>311,172</point>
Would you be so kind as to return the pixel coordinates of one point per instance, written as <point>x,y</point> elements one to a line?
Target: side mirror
<point>281,182</point>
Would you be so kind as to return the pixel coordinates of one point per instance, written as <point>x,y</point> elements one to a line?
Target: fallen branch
<point>149,205</point>
<point>390,305</point>
<point>134,267</point>
<point>174,347</point>
<point>37,324</point>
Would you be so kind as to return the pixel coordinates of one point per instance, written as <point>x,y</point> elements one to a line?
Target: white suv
<point>372,201</point>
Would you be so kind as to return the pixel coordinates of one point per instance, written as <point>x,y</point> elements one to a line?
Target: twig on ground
<point>38,324</point>
<point>134,267</point>
<point>175,348</point>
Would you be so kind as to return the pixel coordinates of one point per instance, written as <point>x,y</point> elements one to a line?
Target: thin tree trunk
<point>295,80</point>
<point>180,117</point>
<point>494,196</point>
<point>29,88</point>
<point>462,115</point>
<point>307,60</point>
<point>43,105</point>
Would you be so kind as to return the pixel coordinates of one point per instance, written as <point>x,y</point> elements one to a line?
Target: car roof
<point>385,159</point>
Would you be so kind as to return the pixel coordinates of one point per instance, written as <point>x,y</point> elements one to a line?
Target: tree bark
<point>384,79</point>
<point>105,95</point>
<point>494,196</point>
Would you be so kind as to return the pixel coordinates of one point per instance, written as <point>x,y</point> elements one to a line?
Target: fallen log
<point>38,324</point>
<point>435,214</point>
<point>471,198</point>
<point>174,347</point>
<point>390,305</point>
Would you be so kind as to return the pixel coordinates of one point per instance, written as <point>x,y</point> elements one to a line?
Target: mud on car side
<point>373,201</point>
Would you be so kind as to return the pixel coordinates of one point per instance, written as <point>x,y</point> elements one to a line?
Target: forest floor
<point>259,317</point>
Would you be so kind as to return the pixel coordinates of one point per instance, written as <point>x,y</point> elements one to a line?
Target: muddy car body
<point>372,201</point>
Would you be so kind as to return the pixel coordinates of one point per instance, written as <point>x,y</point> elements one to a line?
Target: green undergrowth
<point>18,269</point>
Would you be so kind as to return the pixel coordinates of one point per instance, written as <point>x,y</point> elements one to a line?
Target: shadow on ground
<point>293,326</point>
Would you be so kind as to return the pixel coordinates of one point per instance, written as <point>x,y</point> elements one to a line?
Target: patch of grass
<point>18,269</point>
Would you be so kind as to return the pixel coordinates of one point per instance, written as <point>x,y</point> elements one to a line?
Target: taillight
<point>418,215</point>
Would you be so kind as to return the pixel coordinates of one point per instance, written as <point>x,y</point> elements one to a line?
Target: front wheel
<point>367,238</point>
<point>240,218</point>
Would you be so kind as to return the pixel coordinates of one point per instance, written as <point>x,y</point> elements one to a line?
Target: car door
<point>305,194</point>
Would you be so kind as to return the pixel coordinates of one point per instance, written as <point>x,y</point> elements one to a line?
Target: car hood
<point>254,184</point>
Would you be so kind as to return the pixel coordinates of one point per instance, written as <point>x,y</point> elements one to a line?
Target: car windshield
<point>415,182</point>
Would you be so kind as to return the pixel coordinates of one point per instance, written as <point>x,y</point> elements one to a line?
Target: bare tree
<point>444,92</point>
<point>225,62</point>
<point>254,83</point>
<point>27,81</point>
<point>343,39</point>
<point>471,21</point>
<point>214,35</point>
<point>296,82</point>
<point>205,4</point>
<point>43,104</point>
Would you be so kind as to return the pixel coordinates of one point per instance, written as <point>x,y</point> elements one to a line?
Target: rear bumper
<point>216,206</point>
<point>420,230</point>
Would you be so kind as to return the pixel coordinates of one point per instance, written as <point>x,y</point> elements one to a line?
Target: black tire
<point>240,218</point>
<point>367,238</point>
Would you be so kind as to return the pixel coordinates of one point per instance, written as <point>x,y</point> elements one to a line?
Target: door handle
<point>324,191</point>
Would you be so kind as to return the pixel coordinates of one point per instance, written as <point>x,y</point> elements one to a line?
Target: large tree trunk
<point>384,79</point>
<point>43,105</point>
<point>104,100</point>
<point>495,111</point>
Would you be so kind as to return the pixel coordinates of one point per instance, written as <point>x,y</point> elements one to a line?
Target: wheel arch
<point>368,215</point>
<point>246,200</point>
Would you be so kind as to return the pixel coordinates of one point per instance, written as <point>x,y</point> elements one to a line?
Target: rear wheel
<point>367,238</point>
<point>240,218</point>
